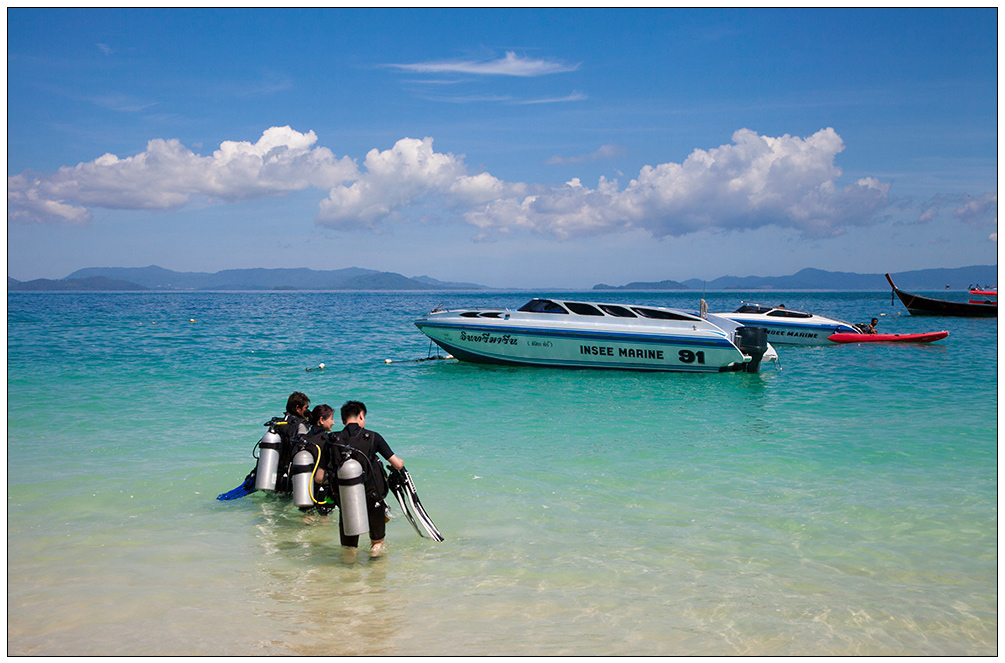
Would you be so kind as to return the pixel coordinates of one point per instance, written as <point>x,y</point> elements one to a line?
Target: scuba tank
<point>352,498</point>
<point>303,478</point>
<point>268,461</point>
<point>289,435</point>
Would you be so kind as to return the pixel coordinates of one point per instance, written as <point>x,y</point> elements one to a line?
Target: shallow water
<point>845,504</point>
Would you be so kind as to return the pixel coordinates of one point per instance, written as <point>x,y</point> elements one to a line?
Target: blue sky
<point>513,148</point>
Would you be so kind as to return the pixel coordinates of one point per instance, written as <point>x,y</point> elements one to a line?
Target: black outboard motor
<point>752,341</point>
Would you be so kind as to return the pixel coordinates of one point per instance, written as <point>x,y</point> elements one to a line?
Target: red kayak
<point>927,337</point>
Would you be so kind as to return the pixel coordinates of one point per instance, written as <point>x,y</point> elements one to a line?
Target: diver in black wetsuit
<point>298,408</point>
<point>365,445</point>
<point>293,424</point>
<point>322,420</point>
<point>290,427</point>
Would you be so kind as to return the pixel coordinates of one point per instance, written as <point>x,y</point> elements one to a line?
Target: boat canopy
<point>600,310</point>
<point>772,311</point>
<point>542,306</point>
<point>753,308</point>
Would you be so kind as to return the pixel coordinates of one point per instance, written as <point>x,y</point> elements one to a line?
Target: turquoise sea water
<point>845,504</point>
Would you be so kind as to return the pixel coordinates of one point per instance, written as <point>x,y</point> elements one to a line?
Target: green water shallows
<point>845,504</point>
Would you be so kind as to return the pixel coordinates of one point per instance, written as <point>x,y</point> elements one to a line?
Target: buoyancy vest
<point>314,441</point>
<point>361,447</point>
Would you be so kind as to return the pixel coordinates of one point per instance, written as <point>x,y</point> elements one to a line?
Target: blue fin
<point>246,488</point>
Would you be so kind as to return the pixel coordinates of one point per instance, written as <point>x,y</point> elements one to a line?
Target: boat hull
<point>918,305</point>
<point>783,334</point>
<point>811,330</point>
<point>518,345</point>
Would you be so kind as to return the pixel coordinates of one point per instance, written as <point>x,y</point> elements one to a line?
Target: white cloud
<point>755,181</point>
<point>509,65</point>
<point>978,211</point>
<point>406,174</point>
<point>168,175</point>
<point>974,211</point>
<point>575,96</point>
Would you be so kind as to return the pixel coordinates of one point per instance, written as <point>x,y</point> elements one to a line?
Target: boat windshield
<point>543,306</point>
<point>785,313</point>
<point>753,308</point>
<point>583,309</point>
<point>617,311</point>
<point>657,314</point>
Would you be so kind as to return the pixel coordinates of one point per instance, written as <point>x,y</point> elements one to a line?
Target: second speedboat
<point>552,332</point>
<point>791,327</point>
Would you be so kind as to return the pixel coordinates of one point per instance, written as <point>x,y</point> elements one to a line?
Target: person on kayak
<point>871,327</point>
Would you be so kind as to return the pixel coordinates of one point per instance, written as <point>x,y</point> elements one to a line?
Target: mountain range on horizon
<point>357,278</point>
<point>161,279</point>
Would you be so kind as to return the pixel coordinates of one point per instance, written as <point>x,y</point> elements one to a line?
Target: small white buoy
<point>191,319</point>
<point>387,361</point>
<point>321,366</point>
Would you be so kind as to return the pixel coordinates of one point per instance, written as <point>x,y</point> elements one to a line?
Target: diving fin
<point>394,482</point>
<point>413,506</point>
<point>246,488</point>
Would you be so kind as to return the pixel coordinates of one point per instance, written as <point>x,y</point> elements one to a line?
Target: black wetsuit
<point>367,444</point>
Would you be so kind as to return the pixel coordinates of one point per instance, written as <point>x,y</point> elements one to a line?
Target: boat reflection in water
<point>575,334</point>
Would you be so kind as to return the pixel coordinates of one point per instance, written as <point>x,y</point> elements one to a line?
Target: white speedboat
<point>790,327</point>
<point>553,332</point>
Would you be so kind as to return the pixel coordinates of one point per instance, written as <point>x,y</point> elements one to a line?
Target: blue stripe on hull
<point>593,336</point>
<point>825,329</point>
<point>828,328</point>
<point>465,355</point>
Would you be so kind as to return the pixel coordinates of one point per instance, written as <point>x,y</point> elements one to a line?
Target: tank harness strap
<point>299,469</point>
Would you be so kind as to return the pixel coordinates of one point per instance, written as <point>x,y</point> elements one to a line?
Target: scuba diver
<point>293,425</point>
<point>275,450</point>
<point>350,461</point>
<point>307,494</point>
<point>275,456</point>
<point>342,469</point>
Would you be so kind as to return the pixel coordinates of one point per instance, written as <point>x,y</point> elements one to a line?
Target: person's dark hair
<point>352,409</point>
<point>296,400</point>
<point>320,412</point>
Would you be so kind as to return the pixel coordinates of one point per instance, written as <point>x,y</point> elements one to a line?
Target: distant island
<point>160,279</point>
<point>643,285</point>
<point>125,279</point>
<point>957,278</point>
